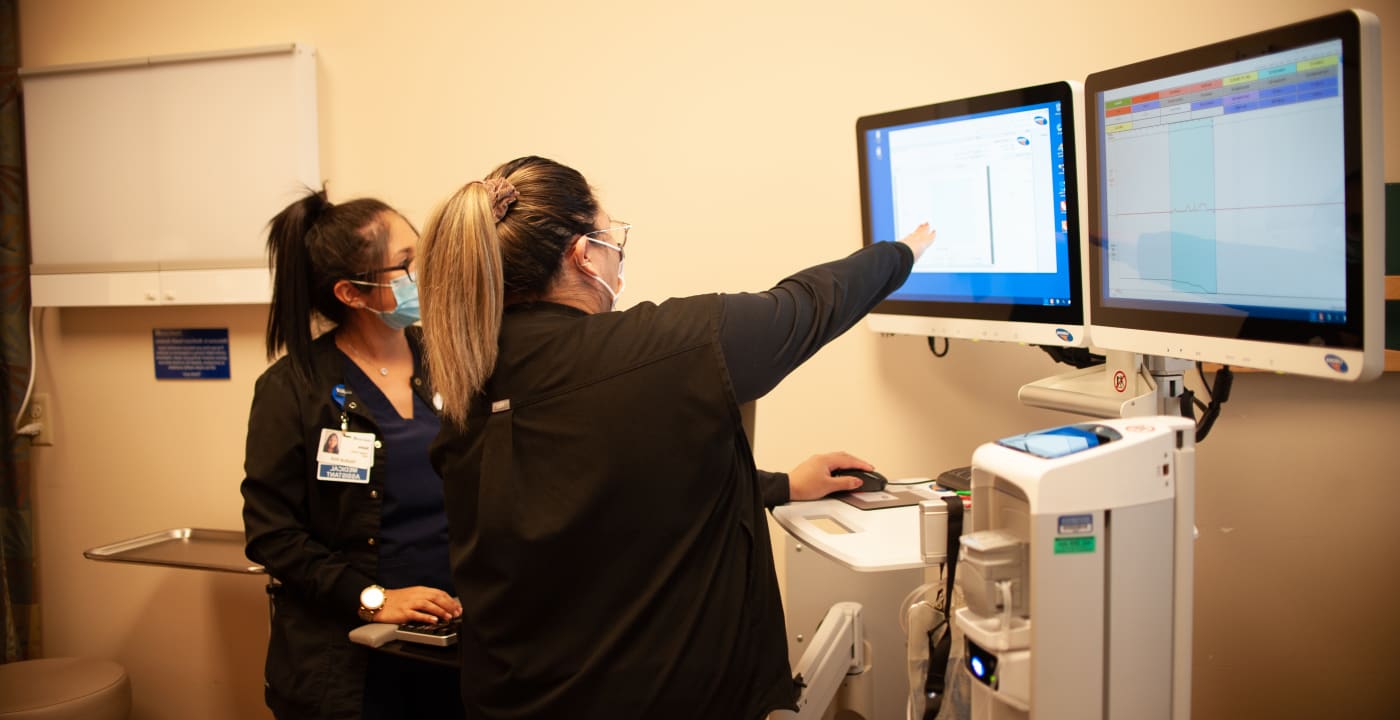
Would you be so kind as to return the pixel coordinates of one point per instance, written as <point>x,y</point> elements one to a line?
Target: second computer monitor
<point>1236,201</point>
<point>997,177</point>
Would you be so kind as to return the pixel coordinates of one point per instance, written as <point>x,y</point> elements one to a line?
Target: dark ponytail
<point>311,245</point>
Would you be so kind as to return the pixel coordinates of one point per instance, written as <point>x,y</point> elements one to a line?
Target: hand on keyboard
<point>417,604</point>
<point>441,634</point>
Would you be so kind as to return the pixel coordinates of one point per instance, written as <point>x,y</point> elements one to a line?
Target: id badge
<point>344,456</point>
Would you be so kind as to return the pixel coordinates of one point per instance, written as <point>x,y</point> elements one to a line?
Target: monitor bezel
<point>1287,345</point>
<point>1040,324</point>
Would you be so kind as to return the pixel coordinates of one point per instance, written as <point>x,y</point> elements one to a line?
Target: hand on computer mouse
<point>870,481</point>
<point>814,478</point>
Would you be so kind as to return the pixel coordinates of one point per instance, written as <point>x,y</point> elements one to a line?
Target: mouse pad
<point>891,496</point>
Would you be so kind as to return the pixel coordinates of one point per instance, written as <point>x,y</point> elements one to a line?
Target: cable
<point>916,621</point>
<point>933,348</point>
<point>1189,403</point>
<point>1196,402</point>
<point>1004,593</point>
<point>1224,379</point>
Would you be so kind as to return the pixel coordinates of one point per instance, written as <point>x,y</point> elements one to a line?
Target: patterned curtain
<point>19,603</point>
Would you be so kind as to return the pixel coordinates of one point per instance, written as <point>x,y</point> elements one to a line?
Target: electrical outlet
<point>41,411</point>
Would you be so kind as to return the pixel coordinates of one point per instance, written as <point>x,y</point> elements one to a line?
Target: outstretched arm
<point>765,336</point>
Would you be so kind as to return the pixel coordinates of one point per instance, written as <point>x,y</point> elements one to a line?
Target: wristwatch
<point>371,601</point>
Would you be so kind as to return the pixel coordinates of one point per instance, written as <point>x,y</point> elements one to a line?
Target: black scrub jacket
<point>608,532</point>
<point>317,538</point>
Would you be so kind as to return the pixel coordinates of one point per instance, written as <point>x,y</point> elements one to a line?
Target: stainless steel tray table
<point>195,548</point>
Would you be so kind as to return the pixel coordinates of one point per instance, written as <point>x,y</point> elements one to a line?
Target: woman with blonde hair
<point>602,499</point>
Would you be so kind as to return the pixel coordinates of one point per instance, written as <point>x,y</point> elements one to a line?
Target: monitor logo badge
<point>1336,362</point>
<point>1064,334</point>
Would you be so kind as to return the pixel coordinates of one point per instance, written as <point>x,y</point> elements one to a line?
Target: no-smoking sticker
<point>1120,381</point>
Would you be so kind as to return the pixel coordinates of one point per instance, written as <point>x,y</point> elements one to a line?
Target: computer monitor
<point>997,177</point>
<point>1236,206</point>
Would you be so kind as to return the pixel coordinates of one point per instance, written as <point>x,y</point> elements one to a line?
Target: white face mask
<point>621,279</point>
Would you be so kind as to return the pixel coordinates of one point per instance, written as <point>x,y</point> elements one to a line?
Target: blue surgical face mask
<point>405,313</point>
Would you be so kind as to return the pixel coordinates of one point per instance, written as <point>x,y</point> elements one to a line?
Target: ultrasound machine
<point>1217,207</point>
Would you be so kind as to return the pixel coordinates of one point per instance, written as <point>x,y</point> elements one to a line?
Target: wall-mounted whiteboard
<point>147,174</point>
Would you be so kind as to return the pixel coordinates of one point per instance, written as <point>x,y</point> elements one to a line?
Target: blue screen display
<point>993,185</point>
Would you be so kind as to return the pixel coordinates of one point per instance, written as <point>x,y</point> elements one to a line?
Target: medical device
<point>997,176</point>
<point>1235,216</point>
<point>879,556</point>
<point>1236,213</point>
<point>1077,574</point>
<point>1236,201</point>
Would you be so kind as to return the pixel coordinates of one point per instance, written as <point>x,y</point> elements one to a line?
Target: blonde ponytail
<point>462,290</point>
<point>495,240</point>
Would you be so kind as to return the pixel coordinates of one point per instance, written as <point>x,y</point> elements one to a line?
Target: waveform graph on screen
<point>1233,217</point>
<point>1244,214</point>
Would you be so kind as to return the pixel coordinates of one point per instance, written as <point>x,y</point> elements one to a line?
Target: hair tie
<point>317,203</point>
<point>502,195</point>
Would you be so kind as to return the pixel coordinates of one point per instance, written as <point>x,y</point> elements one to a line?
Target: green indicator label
<point>1121,102</point>
<point>1074,545</point>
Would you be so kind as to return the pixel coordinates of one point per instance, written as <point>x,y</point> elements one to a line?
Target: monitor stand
<point>1126,385</point>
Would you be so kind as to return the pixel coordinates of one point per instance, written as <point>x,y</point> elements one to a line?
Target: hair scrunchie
<point>502,195</point>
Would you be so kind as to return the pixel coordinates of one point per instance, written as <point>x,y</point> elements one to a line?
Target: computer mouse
<point>871,481</point>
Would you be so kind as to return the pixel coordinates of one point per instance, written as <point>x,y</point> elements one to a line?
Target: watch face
<point>372,597</point>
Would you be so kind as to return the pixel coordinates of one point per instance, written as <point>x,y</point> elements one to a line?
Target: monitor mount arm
<point>1126,385</point>
<point>837,651</point>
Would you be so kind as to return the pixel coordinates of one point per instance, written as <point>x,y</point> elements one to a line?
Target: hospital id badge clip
<point>343,456</point>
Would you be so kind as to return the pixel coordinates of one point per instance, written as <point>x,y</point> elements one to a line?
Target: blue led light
<point>977,668</point>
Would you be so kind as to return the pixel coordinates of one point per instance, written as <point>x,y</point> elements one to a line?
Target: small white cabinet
<point>151,181</point>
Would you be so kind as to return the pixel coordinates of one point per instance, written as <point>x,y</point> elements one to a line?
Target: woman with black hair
<point>357,534</point>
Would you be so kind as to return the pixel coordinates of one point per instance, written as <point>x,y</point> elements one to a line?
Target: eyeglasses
<point>406,266</point>
<point>620,244</point>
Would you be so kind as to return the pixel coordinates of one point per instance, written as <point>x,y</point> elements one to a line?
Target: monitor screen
<point>996,177</point>
<point>1234,211</point>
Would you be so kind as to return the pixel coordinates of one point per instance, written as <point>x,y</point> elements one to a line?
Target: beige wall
<point>723,131</point>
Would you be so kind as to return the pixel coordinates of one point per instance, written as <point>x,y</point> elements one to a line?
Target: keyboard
<point>441,634</point>
<point>957,478</point>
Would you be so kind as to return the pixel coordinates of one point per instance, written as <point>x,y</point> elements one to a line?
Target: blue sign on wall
<point>191,354</point>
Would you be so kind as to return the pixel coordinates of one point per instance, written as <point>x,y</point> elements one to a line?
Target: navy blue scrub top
<point>412,519</point>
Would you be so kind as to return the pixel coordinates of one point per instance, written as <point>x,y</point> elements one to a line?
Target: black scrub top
<point>608,533</point>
